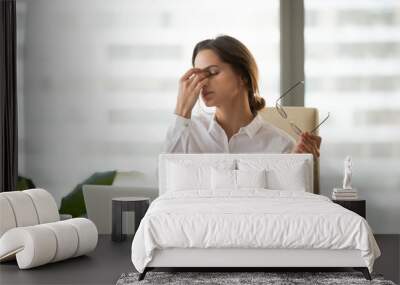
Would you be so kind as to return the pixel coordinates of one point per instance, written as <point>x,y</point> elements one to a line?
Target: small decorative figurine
<point>347,192</point>
<point>348,164</point>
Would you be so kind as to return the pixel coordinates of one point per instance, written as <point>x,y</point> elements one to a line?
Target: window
<point>352,67</point>
<point>101,78</point>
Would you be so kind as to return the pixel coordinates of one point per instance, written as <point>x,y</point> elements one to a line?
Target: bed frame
<point>237,259</point>
<point>248,259</point>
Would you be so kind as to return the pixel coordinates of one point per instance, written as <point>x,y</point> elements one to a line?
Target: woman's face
<point>223,83</point>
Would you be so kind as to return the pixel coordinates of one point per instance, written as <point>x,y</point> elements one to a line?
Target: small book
<point>345,193</point>
<point>344,198</point>
<point>341,190</point>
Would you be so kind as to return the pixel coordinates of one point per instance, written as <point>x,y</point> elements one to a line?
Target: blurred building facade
<point>352,67</point>
<point>99,79</point>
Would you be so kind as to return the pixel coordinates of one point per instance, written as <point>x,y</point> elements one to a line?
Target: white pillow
<point>223,179</point>
<point>296,179</point>
<point>237,179</point>
<point>288,174</point>
<point>188,175</point>
<point>251,178</point>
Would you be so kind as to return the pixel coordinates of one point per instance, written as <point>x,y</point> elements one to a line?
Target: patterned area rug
<point>225,278</point>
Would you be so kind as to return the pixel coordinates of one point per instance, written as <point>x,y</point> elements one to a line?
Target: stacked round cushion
<point>31,230</point>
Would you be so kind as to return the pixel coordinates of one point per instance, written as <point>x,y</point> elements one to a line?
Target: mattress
<point>250,218</point>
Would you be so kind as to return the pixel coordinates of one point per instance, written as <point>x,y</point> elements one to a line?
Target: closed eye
<point>213,72</point>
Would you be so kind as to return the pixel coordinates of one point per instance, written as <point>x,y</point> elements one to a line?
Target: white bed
<point>194,223</point>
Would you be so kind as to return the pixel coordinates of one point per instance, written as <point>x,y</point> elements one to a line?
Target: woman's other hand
<point>190,85</point>
<point>308,143</point>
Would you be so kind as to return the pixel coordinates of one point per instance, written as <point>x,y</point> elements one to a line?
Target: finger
<point>315,138</point>
<point>302,148</point>
<point>315,150</point>
<point>196,80</point>
<point>201,73</point>
<point>315,142</point>
<point>307,149</point>
<point>308,140</point>
<point>303,135</point>
<point>301,143</point>
<point>189,73</point>
<point>200,85</point>
<point>302,138</point>
<point>319,140</point>
<point>313,147</point>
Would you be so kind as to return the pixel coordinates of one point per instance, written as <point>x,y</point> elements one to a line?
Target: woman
<point>226,75</point>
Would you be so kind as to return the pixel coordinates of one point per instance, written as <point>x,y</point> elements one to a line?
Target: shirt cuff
<point>181,123</point>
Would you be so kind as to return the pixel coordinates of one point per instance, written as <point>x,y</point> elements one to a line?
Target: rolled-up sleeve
<point>177,135</point>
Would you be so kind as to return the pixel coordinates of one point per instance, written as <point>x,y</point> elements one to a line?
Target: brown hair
<point>236,54</point>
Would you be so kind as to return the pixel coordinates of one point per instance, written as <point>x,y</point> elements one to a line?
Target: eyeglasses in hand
<point>284,115</point>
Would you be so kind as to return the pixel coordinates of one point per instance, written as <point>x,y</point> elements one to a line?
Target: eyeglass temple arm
<point>323,121</point>
<point>290,89</point>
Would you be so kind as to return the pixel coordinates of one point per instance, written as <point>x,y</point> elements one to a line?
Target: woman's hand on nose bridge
<point>190,86</point>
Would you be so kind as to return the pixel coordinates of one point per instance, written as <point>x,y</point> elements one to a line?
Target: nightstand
<point>121,204</point>
<point>357,206</point>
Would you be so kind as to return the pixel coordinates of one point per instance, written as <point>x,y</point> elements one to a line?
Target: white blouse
<point>202,134</point>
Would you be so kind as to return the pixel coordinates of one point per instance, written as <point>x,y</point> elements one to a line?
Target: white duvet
<point>251,218</point>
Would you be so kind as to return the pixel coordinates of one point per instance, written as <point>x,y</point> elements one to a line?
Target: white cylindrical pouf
<point>67,240</point>
<point>39,245</point>
<point>45,205</point>
<point>7,218</point>
<point>23,207</point>
<point>87,234</point>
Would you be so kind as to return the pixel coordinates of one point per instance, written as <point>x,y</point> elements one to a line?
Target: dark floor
<point>110,260</point>
<point>102,266</point>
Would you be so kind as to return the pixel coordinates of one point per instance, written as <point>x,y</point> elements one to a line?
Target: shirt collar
<point>251,129</point>
<point>213,123</point>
